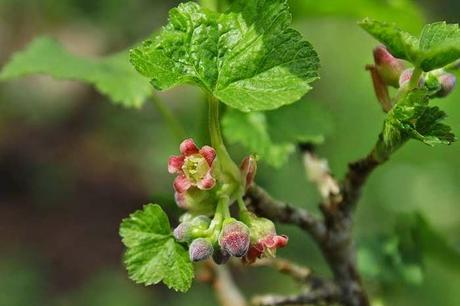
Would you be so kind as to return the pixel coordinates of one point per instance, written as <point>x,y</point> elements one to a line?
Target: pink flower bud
<point>448,82</point>
<point>248,169</point>
<point>388,67</point>
<point>182,232</point>
<point>234,238</point>
<point>193,167</point>
<point>200,249</point>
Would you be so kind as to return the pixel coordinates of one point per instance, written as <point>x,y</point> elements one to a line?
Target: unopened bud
<point>234,238</point>
<point>248,169</point>
<point>388,67</point>
<point>200,249</point>
<point>448,82</point>
<point>182,232</point>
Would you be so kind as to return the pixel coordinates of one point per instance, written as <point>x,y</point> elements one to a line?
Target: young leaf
<point>248,58</point>
<point>273,135</point>
<point>111,75</point>
<point>413,118</point>
<point>401,44</point>
<point>438,45</point>
<point>152,253</point>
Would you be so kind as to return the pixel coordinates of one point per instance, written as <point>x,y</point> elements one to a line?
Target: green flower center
<point>195,167</point>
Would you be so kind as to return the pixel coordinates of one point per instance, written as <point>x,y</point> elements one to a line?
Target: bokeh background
<point>72,164</point>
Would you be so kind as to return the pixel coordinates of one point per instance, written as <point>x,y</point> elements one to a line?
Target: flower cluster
<point>202,188</point>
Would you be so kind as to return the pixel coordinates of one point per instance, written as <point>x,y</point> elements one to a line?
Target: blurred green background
<point>72,165</point>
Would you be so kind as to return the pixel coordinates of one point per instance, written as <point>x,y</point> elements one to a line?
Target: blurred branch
<point>333,234</point>
<point>227,293</point>
<point>263,204</point>
<point>328,293</point>
<point>175,126</point>
<point>299,273</point>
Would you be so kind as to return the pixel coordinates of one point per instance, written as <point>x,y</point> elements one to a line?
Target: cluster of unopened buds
<point>391,71</point>
<point>205,191</point>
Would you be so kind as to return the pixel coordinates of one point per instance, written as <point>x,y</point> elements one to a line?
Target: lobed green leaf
<point>248,57</point>
<point>413,118</point>
<point>152,254</point>
<point>111,75</point>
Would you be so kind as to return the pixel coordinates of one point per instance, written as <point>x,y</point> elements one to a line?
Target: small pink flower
<point>265,246</point>
<point>193,167</point>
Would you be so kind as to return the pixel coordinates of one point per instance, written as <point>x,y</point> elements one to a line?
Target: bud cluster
<point>199,188</point>
<point>389,71</point>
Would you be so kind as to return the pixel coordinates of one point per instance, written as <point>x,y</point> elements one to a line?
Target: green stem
<point>225,161</point>
<point>414,80</point>
<point>175,126</point>
<point>241,204</point>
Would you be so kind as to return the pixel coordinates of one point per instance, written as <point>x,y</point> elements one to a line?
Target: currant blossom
<point>193,168</point>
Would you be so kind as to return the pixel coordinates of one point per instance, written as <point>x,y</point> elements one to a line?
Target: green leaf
<point>152,253</point>
<point>413,118</point>
<point>111,75</point>
<point>248,58</point>
<point>437,46</point>
<point>273,135</point>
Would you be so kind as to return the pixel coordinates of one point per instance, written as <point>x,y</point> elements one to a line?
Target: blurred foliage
<point>113,75</point>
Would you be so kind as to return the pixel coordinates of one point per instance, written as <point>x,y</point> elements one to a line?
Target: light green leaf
<point>304,121</point>
<point>248,58</point>
<point>152,253</point>
<point>251,130</point>
<point>273,135</point>
<point>438,45</point>
<point>111,75</point>
<point>412,117</point>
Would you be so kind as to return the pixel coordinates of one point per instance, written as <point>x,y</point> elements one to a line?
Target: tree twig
<point>299,273</point>
<point>263,204</point>
<point>227,292</point>
<point>333,234</point>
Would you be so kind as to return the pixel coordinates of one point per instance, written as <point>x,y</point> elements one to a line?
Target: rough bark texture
<point>333,233</point>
